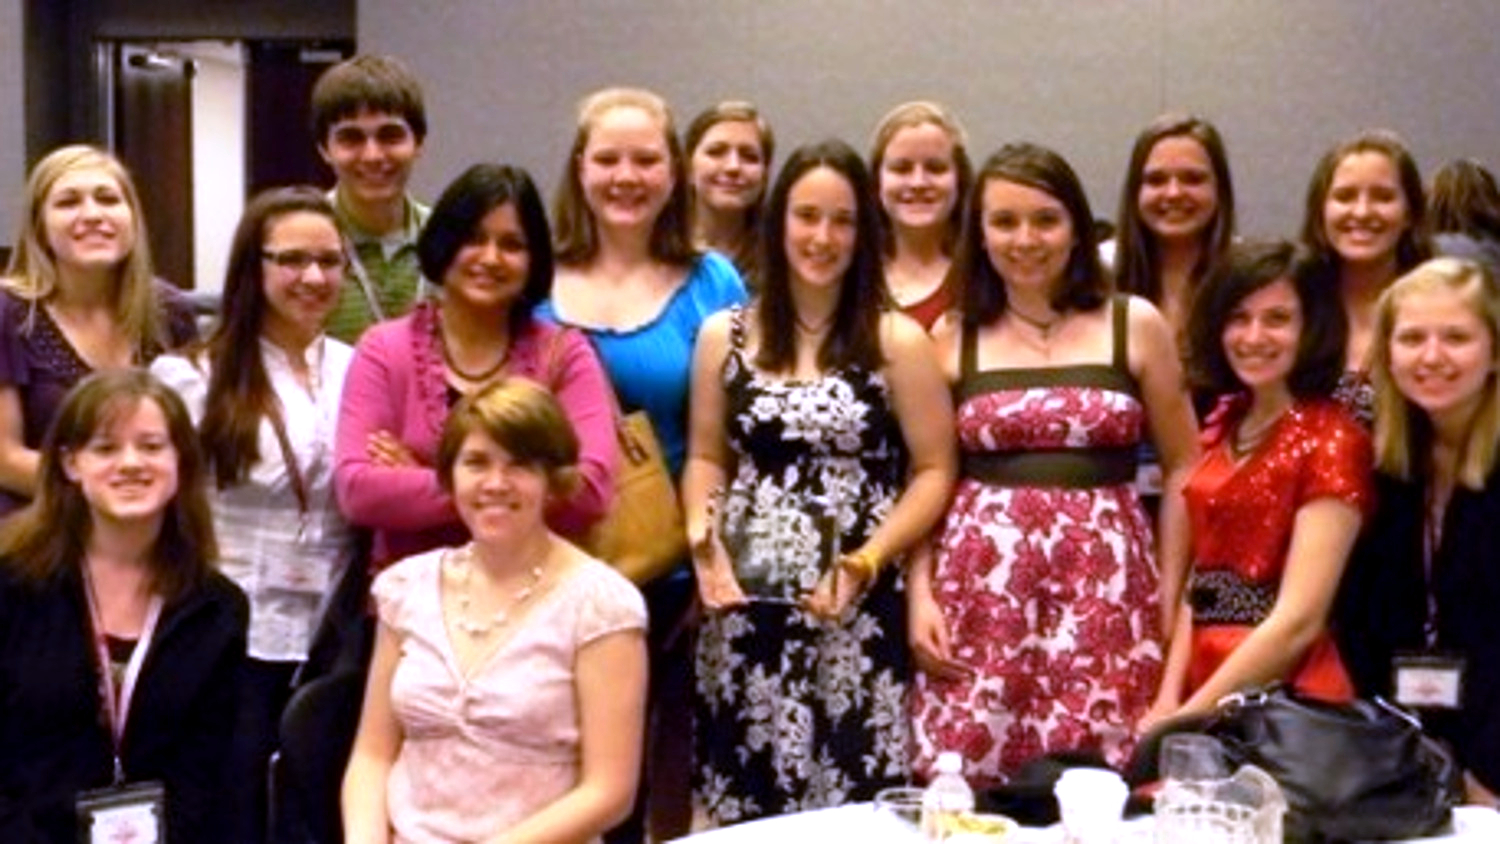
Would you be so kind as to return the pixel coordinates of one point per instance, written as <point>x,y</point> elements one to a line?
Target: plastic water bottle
<point>948,795</point>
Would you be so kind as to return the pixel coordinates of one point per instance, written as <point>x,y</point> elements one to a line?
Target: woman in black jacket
<point>120,646</point>
<point>1417,619</point>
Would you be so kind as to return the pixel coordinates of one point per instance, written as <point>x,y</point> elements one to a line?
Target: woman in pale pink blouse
<point>507,693</point>
<point>487,248</point>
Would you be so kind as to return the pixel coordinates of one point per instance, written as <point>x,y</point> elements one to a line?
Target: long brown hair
<point>1085,286</point>
<point>855,338</point>
<point>1137,255</point>
<point>1413,247</point>
<point>239,390</point>
<point>51,535</point>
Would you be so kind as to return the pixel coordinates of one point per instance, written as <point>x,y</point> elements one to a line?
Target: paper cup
<point>1092,803</point>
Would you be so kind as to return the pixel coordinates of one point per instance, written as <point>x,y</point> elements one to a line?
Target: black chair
<point>317,732</point>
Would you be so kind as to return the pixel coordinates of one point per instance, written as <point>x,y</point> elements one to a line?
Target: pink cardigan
<point>396,384</point>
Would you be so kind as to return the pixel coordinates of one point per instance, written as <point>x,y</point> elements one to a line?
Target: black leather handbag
<point>1362,771</point>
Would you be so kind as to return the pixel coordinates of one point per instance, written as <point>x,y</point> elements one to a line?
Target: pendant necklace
<point>1243,442</point>
<point>1043,326</point>
<point>812,329</point>
<point>463,561</point>
<point>471,377</point>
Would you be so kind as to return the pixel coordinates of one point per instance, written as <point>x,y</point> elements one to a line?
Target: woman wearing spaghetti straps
<point>1038,611</point>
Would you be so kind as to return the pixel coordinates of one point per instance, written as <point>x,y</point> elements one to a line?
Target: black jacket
<point>1383,605</point>
<point>53,740</point>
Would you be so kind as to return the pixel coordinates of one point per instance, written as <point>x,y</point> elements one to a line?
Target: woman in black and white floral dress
<point>821,448</point>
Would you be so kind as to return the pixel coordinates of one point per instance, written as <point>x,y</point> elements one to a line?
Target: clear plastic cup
<point>1192,758</point>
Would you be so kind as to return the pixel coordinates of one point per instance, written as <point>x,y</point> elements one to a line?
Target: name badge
<point>129,814</point>
<point>1429,681</point>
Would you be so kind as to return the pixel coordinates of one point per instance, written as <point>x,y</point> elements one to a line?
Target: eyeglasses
<point>298,260</point>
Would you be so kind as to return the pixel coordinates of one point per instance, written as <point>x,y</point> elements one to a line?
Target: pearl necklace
<point>462,560</point>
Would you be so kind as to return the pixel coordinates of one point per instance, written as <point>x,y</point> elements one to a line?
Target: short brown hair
<point>522,417</point>
<point>367,83</point>
<point>52,533</point>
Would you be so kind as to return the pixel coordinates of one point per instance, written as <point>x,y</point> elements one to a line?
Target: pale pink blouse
<point>481,753</point>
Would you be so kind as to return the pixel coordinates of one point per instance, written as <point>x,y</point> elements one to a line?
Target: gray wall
<point>12,132</point>
<point>1283,79</point>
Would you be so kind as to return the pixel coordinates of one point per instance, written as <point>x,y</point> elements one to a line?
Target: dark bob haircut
<point>463,206</point>
<point>1084,285</point>
<point>1247,268</point>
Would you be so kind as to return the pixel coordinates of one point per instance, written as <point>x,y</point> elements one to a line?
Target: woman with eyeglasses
<point>79,296</point>
<point>264,392</point>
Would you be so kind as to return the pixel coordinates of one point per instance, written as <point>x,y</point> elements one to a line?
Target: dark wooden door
<point>154,137</point>
<point>280,80</point>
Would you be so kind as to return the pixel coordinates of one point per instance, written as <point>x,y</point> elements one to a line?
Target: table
<point>860,822</point>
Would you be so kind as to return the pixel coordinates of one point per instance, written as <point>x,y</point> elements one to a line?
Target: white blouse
<point>286,561</point>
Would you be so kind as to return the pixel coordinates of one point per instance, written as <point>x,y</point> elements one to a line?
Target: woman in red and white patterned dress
<point>1036,616</point>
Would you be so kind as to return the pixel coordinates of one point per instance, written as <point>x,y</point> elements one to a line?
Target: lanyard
<point>367,285</point>
<point>116,705</point>
<point>1432,537</point>
<point>288,455</point>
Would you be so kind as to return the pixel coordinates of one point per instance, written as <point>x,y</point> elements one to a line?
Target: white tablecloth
<point>860,822</point>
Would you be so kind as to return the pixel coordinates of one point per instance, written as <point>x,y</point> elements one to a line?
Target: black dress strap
<point>968,351</point>
<point>737,328</point>
<point>1120,308</point>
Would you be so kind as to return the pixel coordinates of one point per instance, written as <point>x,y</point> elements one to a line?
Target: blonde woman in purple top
<point>78,296</point>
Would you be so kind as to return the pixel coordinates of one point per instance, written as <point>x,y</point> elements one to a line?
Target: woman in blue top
<point>629,278</point>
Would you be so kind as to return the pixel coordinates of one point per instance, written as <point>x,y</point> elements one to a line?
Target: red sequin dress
<point>1048,583</point>
<point>1242,519</point>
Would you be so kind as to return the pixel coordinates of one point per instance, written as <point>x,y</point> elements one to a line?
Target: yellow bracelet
<point>862,562</point>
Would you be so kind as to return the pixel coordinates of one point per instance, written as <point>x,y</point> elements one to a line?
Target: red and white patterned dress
<point>1044,570</point>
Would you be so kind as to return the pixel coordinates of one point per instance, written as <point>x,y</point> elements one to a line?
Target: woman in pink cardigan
<point>487,247</point>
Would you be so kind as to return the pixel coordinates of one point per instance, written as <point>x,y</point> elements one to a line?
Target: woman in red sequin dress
<point>1036,617</point>
<point>1277,499</point>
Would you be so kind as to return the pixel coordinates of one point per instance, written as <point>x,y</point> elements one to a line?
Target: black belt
<point>1221,596</point>
<point>1065,467</point>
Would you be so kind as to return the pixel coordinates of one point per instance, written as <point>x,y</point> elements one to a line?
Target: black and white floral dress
<point>795,713</point>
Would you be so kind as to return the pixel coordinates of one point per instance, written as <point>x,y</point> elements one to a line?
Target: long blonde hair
<point>575,238</point>
<point>33,273</point>
<point>1402,431</point>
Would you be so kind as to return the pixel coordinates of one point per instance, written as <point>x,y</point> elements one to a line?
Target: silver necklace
<point>463,561</point>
